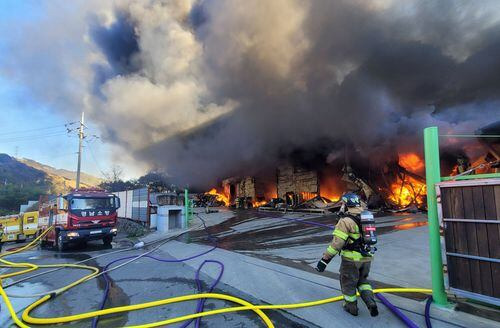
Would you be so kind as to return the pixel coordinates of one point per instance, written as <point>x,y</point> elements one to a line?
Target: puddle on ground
<point>116,296</point>
<point>19,303</point>
<point>68,303</point>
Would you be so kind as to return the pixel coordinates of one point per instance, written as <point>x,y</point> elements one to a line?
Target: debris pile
<point>210,199</point>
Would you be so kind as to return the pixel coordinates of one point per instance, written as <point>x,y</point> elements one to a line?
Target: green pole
<point>433,176</point>
<point>186,208</point>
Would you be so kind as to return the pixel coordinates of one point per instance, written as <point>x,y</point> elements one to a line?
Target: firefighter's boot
<point>351,307</point>
<point>367,296</point>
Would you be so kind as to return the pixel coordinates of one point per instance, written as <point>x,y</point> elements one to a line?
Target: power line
<point>33,137</point>
<point>56,156</point>
<point>37,135</point>
<point>95,160</point>
<point>65,125</point>
<point>68,132</point>
<point>81,136</point>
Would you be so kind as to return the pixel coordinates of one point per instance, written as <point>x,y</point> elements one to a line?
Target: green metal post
<point>433,176</point>
<point>186,208</point>
<point>191,213</point>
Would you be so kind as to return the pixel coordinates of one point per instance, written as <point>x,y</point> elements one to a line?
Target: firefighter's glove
<point>321,266</point>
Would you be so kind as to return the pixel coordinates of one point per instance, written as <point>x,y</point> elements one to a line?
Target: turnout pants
<point>354,276</point>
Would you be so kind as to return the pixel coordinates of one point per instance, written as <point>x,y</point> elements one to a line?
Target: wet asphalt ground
<point>254,231</point>
<point>265,235</point>
<point>274,237</point>
<point>142,281</point>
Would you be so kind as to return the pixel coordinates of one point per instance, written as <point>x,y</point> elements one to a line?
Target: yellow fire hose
<point>244,305</point>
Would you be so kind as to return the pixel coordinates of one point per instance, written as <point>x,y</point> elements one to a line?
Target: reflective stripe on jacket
<point>346,231</point>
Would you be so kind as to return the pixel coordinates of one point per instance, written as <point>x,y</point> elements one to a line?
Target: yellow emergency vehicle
<point>20,226</point>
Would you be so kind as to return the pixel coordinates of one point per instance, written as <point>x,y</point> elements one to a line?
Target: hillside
<point>25,179</point>
<point>19,183</point>
<point>17,173</point>
<point>62,179</point>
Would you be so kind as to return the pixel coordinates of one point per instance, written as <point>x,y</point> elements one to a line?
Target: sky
<point>29,128</point>
<point>208,89</point>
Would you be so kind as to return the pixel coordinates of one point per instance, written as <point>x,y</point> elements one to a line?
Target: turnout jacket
<point>346,231</point>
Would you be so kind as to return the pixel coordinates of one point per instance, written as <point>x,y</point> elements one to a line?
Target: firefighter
<point>356,260</point>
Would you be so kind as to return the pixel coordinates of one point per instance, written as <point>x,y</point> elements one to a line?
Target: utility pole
<point>80,142</point>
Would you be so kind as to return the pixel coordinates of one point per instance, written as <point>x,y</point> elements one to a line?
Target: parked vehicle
<point>19,227</point>
<point>77,217</point>
<point>29,222</point>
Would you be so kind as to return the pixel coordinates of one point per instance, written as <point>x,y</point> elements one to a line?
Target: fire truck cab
<point>77,217</point>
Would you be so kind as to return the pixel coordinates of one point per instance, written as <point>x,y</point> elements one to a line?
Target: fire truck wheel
<point>107,240</point>
<point>61,246</point>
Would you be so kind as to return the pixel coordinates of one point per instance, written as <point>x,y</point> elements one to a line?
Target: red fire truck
<point>80,216</point>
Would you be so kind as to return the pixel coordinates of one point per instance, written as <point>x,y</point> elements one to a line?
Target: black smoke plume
<point>208,89</point>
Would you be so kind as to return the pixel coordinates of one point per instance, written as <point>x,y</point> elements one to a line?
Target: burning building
<point>250,191</point>
<point>394,186</point>
<point>245,192</point>
<point>292,184</point>
<point>396,183</point>
<point>296,184</point>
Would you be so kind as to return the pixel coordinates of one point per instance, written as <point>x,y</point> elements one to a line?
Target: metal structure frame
<point>475,296</point>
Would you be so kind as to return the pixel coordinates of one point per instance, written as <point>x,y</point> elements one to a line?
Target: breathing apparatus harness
<point>364,244</point>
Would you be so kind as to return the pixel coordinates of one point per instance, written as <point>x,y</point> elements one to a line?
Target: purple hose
<point>427,315</point>
<point>331,227</point>
<point>396,311</point>
<point>200,302</point>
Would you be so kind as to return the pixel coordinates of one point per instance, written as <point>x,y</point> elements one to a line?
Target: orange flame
<point>478,169</point>
<point>307,195</point>
<point>329,186</point>
<point>454,170</point>
<point>407,190</point>
<point>333,196</point>
<point>412,162</point>
<point>259,204</point>
<point>220,197</point>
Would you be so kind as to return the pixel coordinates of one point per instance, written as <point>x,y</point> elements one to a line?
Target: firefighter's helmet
<point>351,199</point>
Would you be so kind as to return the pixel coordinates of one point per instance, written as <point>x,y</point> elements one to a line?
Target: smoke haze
<point>206,89</point>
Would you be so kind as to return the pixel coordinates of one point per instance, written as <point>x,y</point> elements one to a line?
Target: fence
<point>470,213</point>
<point>462,208</point>
<point>135,205</point>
